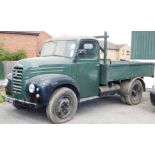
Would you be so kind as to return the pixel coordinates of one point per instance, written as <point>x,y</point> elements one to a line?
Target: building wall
<point>111,54</point>
<point>13,42</point>
<point>30,43</point>
<point>124,53</point>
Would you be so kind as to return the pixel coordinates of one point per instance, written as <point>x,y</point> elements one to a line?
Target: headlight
<point>31,88</point>
<point>6,82</point>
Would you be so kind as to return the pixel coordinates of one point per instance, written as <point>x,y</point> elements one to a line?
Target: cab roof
<point>71,38</point>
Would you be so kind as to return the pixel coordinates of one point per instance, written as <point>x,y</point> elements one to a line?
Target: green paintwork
<point>1,71</point>
<point>88,77</point>
<point>85,72</point>
<point>43,65</point>
<point>124,70</point>
<point>143,45</point>
<point>88,73</point>
<point>105,45</point>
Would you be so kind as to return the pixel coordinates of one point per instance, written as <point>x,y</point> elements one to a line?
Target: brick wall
<point>30,43</point>
<point>42,38</point>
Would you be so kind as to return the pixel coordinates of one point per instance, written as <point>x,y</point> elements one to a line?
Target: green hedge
<point>5,55</point>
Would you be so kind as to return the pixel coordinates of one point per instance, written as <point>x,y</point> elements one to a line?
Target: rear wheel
<point>122,98</point>
<point>62,105</point>
<point>134,95</point>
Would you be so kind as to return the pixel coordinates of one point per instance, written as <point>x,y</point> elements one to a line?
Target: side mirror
<point>80,53</point>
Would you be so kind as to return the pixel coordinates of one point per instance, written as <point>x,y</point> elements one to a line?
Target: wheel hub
<point>63,108</point>
<point>136,92</point>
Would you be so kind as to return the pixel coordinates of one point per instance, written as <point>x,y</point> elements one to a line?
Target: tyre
<point>122,98</point>
<point>134,95</point>
<point>62,106</point>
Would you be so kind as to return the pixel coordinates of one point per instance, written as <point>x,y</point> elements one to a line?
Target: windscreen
<point>59,48</point>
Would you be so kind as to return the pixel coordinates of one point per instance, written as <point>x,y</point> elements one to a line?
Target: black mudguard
<point>47,84</point>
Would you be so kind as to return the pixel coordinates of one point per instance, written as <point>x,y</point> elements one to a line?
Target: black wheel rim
<point>63,107</point>
<point>136,92</point>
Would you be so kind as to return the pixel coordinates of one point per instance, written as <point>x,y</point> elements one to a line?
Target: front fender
<point>47,84</point>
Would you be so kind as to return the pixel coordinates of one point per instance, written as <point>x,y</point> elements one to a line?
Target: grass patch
<point>1,97</point>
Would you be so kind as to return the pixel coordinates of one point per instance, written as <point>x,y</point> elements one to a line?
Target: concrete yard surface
<point>107,110</point>
<point>1,83</point>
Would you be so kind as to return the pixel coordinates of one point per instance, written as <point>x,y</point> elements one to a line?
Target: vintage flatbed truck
<point>70,69</point>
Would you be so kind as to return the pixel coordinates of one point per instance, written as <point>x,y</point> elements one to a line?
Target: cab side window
<point>88,49</point>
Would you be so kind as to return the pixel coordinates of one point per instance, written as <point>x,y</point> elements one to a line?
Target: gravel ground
<point>108,110</point>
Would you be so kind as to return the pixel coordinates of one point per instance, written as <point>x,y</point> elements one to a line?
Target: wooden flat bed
<point>123,70</point>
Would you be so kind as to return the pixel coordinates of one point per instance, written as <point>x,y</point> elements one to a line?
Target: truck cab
<point>68,69</point>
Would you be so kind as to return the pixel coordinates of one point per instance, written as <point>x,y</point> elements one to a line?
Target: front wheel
<point>62,106</point>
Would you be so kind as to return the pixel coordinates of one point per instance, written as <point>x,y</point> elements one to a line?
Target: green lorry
<point>69,69</point>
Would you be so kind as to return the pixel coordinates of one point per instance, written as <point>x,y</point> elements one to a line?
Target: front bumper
<point>24,103</point>
<point>152,97</point>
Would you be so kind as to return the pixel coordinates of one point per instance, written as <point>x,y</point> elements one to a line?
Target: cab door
<point>88,67</point>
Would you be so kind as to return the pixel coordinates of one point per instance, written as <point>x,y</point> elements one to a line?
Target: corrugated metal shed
<point>143,45</point>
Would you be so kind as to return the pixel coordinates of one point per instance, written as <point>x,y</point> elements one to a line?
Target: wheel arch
<point>48,83</point>
<point>143,83</point>
<point>126,84</point>
<point>141,80</point>
<point>70,86</point>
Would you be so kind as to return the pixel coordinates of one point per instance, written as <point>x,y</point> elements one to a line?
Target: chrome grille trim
<point>17,79</point>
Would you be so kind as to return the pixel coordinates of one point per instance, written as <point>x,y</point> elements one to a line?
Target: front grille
<point>17,79</point>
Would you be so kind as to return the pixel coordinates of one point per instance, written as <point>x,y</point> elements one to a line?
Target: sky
<point>79,17</point>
